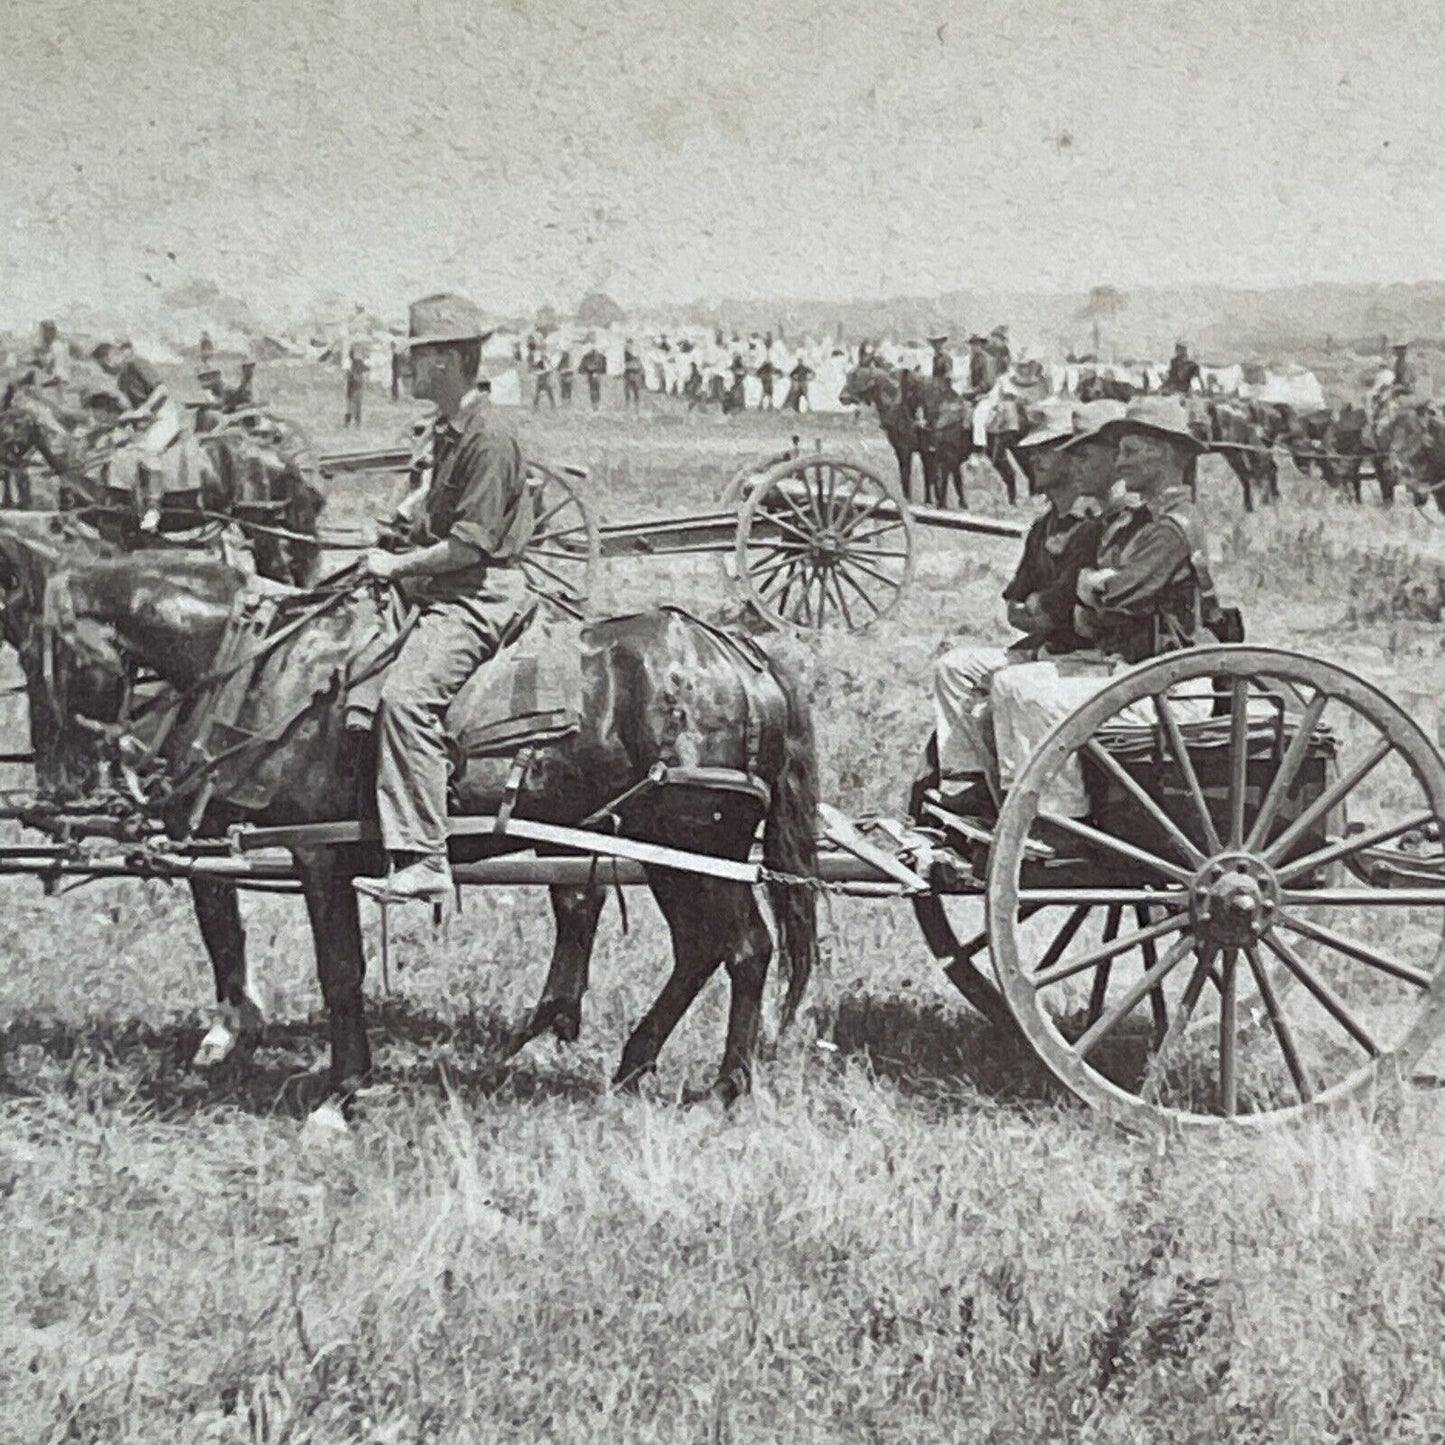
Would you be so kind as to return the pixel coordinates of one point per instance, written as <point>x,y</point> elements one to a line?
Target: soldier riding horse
<point>258,475</point>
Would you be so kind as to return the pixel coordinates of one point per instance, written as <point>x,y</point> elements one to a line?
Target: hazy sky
<point>526,151</point>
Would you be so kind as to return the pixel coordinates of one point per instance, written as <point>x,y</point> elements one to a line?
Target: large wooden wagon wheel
<point>560,561</point>
<point>823,541</point>
<point>1188,952</point>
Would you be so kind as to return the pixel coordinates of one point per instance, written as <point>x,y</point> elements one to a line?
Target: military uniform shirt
<point>478,495</point>
<point>1153,596</point>
<point>137,381</point>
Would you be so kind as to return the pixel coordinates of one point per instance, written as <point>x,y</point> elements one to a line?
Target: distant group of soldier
<point>592,367</point>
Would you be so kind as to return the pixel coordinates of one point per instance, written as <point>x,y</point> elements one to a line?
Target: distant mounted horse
<point>1095,387</point>
<point>882,389</point>
<point>658,688</point>
<point>1410,449</point>
<point>1337,442</point>
<point>943,423</point>
<point>1227,426</point>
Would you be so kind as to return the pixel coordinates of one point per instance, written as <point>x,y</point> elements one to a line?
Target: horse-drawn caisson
<point>1213,891</point>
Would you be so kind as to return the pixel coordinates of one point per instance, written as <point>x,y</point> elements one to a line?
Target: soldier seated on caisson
<point>1072,467</point>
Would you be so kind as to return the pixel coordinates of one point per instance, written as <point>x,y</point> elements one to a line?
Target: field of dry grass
<point>905,1234</point>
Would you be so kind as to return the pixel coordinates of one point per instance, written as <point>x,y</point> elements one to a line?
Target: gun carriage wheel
<point>560,561</point>
<point>822,540</point>
<point>1186,950</point>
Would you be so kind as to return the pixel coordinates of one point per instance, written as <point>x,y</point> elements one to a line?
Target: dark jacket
<point>1161,591</point>
<point>1056,549</point>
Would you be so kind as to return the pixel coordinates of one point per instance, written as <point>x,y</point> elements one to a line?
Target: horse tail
<point>790,844</point>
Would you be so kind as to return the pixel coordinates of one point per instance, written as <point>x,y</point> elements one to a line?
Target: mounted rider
<point>941,363</point>
<point>158,456</point>
<point>467,533</point>
<point>1184,374</point>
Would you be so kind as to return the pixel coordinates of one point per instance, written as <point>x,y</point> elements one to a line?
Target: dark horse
<point>659,687</point>
<point>944,423</point>
<point>261,479</point>
<point>878,387</point>
<point>1229,427</point>
<point>1410,450</point>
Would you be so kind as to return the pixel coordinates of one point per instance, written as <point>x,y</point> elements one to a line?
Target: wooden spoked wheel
<point>1187,951</point>
<point>560,561</point>
<point>823,541</point>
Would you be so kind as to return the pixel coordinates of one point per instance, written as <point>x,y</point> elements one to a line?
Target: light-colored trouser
<point>994,711</point>
<point>446,646</point>
<point>148,469</point>
<point>1030,700</point>
<point>963,717</point>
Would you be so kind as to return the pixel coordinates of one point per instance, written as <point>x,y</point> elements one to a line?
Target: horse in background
<point>876,386</point>
<point>259,471</point>
<point>943,426</point>
<point>1409,440</point>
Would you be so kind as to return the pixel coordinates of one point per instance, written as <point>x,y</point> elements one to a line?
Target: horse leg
<point>905,470</point>
<point>687,903</point>
<point>1269,471</point>
<point>712,922</point>
<point>238,1017</point>
<point>576,911</point>
<point>1241,469</point>
<point>340,962</point>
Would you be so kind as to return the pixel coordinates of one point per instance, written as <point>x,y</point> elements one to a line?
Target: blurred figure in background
<point>355,381</point>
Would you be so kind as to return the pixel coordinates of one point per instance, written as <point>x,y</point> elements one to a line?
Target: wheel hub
<point>1233,899</point>
<point>825,548</point>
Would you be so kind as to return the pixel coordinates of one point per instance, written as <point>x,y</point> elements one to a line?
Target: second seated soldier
<point>474,523</point>
<point>1070,466</point>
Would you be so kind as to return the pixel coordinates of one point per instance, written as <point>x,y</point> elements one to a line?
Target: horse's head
<point>19,435</point>
<point>870,385</point>
<point>74,674</point>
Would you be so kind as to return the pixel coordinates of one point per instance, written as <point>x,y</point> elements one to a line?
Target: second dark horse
<point>659,687</point>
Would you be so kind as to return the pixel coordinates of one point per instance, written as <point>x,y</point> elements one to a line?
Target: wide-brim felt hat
<point>1055,424</point>
<point>1000,333</point>
<point>1159,416</point>
<point>937,340</point>
<point>977,340</point>
<point>444,319</point>
<point>1091,418</point>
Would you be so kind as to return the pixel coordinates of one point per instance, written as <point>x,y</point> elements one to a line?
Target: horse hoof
<point>216,1047</point>
<point>565,1021</point>
<point>325,1127</point>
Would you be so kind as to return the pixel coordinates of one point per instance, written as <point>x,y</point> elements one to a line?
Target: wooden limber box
<point>1143,752</point>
